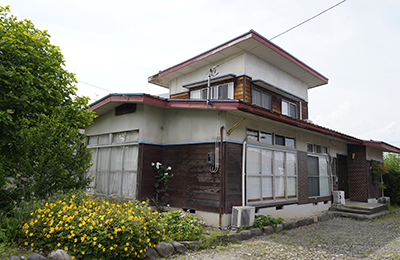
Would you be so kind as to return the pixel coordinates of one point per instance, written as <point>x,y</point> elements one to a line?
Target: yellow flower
<point>127,244</point>
<point>66,248</point>
<point>82,253</point>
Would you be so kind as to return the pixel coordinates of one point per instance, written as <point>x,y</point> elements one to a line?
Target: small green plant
<point>205,244</point>
<point>261,221</point>
<point>8,229</point>
<point>162,179</point>
<point>183,226</point>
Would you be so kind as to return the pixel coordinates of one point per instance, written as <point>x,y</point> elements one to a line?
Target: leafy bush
<point>88,226</point>
<point>261,221</point>
<point>8,229</point>
<point>182,226</point>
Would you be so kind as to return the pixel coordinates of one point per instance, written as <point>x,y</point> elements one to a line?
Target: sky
<point>114,46</point>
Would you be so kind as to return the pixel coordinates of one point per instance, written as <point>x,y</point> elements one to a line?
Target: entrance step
<point>359,207</point>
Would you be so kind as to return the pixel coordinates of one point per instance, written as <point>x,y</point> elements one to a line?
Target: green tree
<point>392,178</point>
<point>41,148</point>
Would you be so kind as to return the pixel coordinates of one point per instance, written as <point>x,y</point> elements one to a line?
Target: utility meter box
<point>211,159</point>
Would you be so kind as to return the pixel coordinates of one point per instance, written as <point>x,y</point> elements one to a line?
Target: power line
<point>326,10</point>
<point>80,81</point>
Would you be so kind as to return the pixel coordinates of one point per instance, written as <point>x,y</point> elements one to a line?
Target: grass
<point>7,251</point>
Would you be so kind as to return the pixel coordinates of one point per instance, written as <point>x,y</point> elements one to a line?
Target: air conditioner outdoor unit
<point>338,197</point>
<point>242,216</point>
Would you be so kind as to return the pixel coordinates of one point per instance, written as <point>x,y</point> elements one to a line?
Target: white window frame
<point>197,94</point>
<point>271,176</point>
<point>286,108</point>
<point>322,175</point>
<point>127,142</point>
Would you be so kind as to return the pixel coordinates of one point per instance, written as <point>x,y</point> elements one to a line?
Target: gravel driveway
<point>338,238</point>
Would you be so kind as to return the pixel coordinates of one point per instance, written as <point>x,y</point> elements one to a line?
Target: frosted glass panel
<point>323,166</point>
<point>278,163</point>
<point>253,188</point>
<point>290,164</point>
<point>104,139</point>
<point>267,187</point>
<point>279,187</point>
<point>291,187</point>
<point>132,136</point>
<point>130,158</point>
<point>116,158</point>
<point>118,138</point>
<point>253,161</point>
<point>324,186</point>
<point>266,157</point>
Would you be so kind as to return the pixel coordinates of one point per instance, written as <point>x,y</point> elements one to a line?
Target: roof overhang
<point>215,79</point>
<point>275,89</point>
<point>250,42</point>
<point>382,146</point>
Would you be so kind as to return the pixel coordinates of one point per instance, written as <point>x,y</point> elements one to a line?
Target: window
<point>289,109</point>
<point>319,149</point>
<point>259,136</point>
<point>318,178</point>
<point>222,92</point>
<point>114,163</point>
<point>264,137</point>
<point>261,98</point>
<point>271,175</point>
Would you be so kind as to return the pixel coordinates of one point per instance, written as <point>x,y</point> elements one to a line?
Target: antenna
<point>211,74</point>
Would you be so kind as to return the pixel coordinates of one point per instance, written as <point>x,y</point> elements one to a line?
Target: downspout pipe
<point>244,174</point>
<point>221,177</point>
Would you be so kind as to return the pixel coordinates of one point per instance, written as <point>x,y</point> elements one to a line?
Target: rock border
<point>165,249</point>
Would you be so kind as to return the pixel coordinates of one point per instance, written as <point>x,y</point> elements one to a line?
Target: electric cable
<point>80,81</point>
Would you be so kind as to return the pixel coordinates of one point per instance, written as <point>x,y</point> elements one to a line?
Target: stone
<point>14,257</point>
<point>151,253</point>
<point>34,256</point>
<point>234,237</point>
<point>59,255</point>
<point>268,230</point>
<point>279,227</point>
<point>180,248</point>
<point>191,245</point>
<point>256,231</point>
<point>221,238</point>
<point>291,225</point>
<point>305,222</point>
<point>245,234</point>
<point>314,219</point>
<point>165,249</point>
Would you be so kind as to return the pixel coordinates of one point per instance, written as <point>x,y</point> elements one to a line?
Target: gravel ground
<point>338,238</point>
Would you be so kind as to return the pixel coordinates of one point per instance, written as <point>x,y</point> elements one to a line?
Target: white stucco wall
<point>374,154</point>
<point>235,66</point>
<point>259,69</point>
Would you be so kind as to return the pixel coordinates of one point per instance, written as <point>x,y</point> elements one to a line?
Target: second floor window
<point>289,109</point>
<point>261,98</point>
<point>224,91</point>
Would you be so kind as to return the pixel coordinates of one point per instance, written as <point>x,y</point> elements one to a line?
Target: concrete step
<point>360,207</point>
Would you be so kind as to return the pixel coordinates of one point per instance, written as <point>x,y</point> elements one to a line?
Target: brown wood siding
<point>146,174</point>
<point>342,174</point>
<point>242,92</point>
<point>193,186</point>
<point>238,89</point>
<point>233,176</point>
<point>184,95</point>
<point>276,103</point>
<point>304,112</point>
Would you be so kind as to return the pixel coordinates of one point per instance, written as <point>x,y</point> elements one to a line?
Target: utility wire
<point>80,81</point>
<point>326,10</point>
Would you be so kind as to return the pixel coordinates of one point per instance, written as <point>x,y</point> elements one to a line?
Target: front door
<point>343,181</point>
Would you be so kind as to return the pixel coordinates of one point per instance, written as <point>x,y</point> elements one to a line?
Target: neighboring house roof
<point>251,42</point>
<point>236,106</point>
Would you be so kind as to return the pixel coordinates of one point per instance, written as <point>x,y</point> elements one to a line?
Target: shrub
<point>88,226</point>
<point>262,221</point>
<point>182,226</point>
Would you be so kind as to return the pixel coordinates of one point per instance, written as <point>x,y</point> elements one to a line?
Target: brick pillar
<point>302,177</point>
<point>357,172</point>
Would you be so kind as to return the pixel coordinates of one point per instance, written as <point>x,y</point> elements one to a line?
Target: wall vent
<point>242,216</point>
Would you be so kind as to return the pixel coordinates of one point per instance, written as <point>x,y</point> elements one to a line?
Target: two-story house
<point>236,135</point>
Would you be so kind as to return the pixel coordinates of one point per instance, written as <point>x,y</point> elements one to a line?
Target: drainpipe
<point>221,179</point>
<point>243,174</point>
